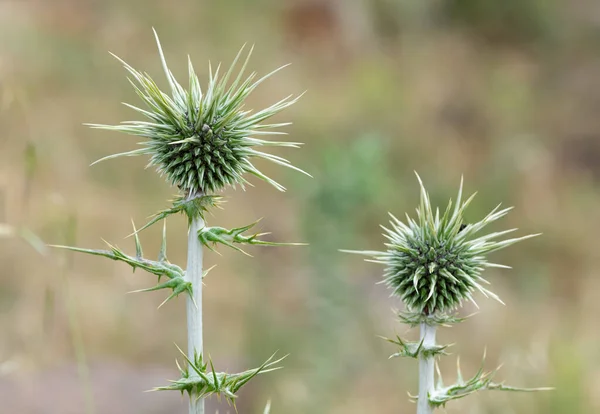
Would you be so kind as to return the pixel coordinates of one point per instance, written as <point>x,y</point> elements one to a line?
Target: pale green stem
<point>193,274</point>
<point>426,370</point>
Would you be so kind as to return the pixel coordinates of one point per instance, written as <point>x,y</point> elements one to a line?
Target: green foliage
<point>482,380</point>
<point>210,236</point>
<point>161,267</point>
<point>435,262</point>
<point>203,142</point>
<point>200,382</point>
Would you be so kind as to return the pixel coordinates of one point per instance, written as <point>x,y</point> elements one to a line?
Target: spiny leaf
<point>200,381</point>
<point>482,380</point>
<point>176,276</point>
<point>210,236</point>
<point>177,285</point>
<point>415,349</point>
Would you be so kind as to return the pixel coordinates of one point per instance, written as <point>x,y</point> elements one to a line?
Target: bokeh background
<point>506,93</point>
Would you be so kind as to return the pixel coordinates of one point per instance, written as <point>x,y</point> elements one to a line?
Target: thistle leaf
<point>210,236</point>
<point>415,349</point>
<point>175,275</point>
<point>200,381</point>
<point>482,380</point>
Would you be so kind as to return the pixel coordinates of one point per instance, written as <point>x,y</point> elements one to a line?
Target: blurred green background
<point>506,93</point>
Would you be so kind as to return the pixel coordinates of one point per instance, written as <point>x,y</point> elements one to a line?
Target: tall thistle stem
<point>426,369</point>
<point>193,274</point>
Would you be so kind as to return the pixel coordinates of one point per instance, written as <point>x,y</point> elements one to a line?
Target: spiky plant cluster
<point>200,381</point>
<point>435,262</point>
<point>203,141</point>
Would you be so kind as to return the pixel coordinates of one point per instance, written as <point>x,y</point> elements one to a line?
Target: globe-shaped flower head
<point>203,141</point>
<point>435,262</point>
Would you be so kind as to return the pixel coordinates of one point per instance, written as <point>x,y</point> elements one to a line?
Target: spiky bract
<point>434,262</point>
<point>203,142</point>
<point>415,349</point>
<point>192,207</point>
<point>200,381</point>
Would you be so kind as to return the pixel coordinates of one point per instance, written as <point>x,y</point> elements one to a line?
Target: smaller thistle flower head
<point>203,141</point>
<point>435,262</point>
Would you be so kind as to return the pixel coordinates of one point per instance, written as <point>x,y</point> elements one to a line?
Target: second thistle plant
<point>434,263</point>
<point>202,141</point>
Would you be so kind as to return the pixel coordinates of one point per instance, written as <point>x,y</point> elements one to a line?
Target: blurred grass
<point>505,93</point>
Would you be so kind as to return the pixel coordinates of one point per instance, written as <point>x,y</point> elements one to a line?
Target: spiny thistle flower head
<point>435,262</point>
<point>203,141</point>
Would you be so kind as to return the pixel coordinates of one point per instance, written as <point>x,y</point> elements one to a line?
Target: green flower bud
<point>203,141</point>
<point>435,262</point>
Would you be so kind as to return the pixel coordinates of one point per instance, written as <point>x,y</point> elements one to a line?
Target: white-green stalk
<point>426,370</point>
<point>202,141</point>
<point>193,274</point>
<point>434,263</point>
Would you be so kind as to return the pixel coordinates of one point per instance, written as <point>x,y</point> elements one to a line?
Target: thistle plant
<point>202,141</point>
<point>434,263</point>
